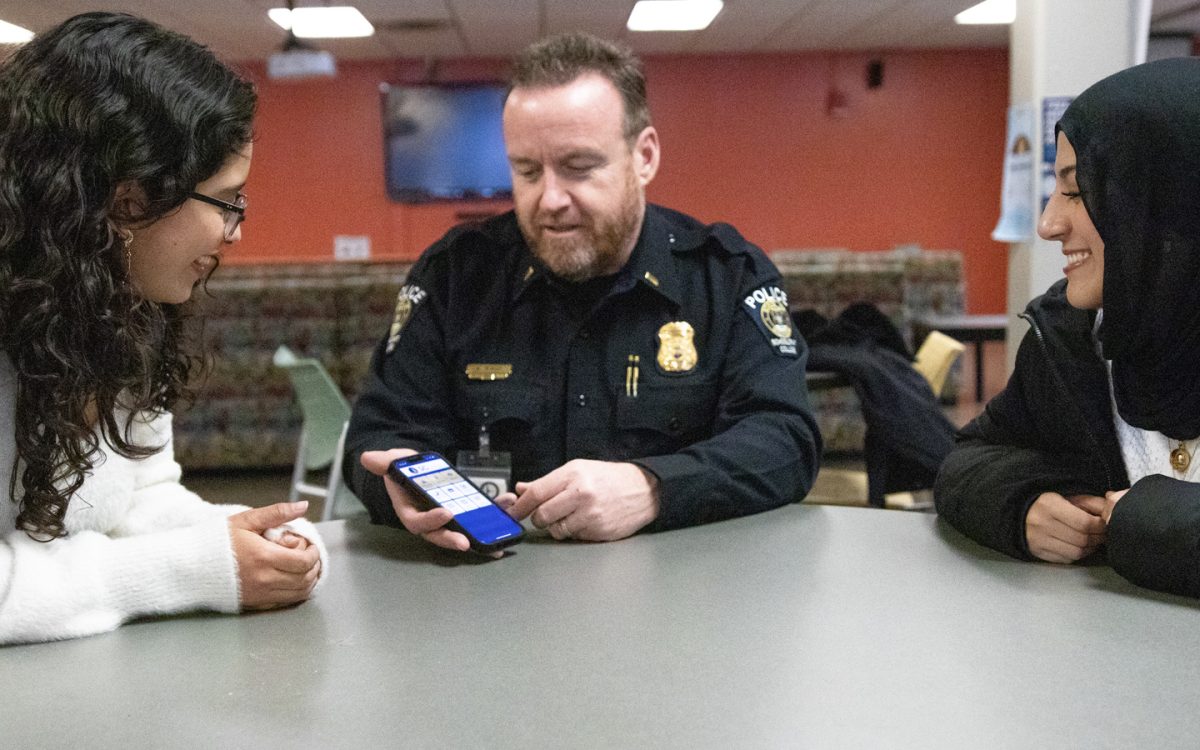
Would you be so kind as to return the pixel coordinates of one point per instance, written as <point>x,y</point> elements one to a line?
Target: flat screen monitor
<point>444,142</point>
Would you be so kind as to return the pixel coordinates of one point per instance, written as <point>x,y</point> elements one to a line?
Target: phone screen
<point>435,478</point>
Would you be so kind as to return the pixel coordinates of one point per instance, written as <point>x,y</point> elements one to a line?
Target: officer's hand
<point>427,523</point>
<point>596,501</point>
<point>1063,530</point>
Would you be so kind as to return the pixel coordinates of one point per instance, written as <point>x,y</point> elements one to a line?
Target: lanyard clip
<point>485,440</point>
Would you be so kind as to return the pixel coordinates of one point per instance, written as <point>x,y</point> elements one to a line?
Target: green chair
<point>323,434</point>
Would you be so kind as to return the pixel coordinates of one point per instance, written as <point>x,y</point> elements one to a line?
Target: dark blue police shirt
<point>730,435</point>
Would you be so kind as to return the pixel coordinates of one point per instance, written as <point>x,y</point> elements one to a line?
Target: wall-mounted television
<point>444,142</point>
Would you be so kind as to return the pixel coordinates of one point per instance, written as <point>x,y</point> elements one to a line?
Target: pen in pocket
<point>631,376</point>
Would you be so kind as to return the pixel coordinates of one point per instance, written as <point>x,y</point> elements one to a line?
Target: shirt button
<point>673,424</point>
<point>582,399</point>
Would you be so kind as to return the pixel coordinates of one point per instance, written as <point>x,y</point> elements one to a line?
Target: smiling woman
<point>168,257</point>
<point>124,148</point>
<point>1089,450</point>
<point>1066,221</point>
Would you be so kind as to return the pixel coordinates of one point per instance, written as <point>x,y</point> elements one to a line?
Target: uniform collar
<point>528,272</point>
<point>650,265</point>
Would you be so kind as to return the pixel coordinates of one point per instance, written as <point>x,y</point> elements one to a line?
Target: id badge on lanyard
<point>490,471</point>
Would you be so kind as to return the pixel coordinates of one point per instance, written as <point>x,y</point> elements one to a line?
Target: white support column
<point>1059,48</point>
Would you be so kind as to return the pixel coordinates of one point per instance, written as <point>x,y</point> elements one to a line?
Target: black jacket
<point>729,435</point>
<point>908,436</point>
<point>1051,430</point>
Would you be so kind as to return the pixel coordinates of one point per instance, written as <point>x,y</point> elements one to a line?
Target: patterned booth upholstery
<point>245,415</point>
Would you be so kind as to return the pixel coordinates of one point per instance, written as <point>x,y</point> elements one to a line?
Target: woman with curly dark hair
<point>124,148</point>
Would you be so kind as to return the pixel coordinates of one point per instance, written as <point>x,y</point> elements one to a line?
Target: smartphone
<point>434,482</point>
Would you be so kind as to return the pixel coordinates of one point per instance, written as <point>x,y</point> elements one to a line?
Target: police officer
<point>639,367</point>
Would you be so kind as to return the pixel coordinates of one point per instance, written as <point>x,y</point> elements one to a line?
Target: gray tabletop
<point>803,627</point>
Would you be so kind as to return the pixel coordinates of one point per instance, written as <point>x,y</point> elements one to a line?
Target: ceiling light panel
<point>673,15</point>
<point>338,22</point>
<point>13,34</point>
<point>989,12</point>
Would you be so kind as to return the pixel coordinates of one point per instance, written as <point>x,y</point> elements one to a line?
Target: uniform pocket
<point>665,417</point>
<point>509,409</point>
<point>494,402</point>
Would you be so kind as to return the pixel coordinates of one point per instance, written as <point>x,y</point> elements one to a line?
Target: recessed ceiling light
<point>673,15</point>
<point>13,34</point>
<point>989,11</point>
<point>336,22</point>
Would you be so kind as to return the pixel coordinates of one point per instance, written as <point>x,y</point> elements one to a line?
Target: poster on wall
<point>1052,110</point>
<point>1016,194</point>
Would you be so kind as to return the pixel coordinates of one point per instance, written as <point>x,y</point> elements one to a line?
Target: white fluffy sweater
<point>137,544</point>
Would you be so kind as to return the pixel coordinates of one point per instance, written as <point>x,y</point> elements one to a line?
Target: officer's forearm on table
<point>713,479</point>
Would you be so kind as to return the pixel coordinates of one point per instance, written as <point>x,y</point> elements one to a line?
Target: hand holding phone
<point>430,525</point>
<point>433,483</point>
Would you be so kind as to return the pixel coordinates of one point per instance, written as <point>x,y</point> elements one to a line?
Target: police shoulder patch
<point>767,306</point>
<point>407,300</point>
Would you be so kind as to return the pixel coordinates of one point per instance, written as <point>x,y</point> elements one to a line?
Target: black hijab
<point>1136,136</point>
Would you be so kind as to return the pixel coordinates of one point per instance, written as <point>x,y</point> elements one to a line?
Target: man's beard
<point>595,249</point>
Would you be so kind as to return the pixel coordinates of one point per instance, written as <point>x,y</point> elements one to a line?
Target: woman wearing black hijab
<point>1094,442</point>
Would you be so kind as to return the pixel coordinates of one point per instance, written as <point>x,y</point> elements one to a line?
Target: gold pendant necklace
<point>1181,459</point>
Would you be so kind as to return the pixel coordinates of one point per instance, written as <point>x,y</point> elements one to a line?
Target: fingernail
<point>300,506</point>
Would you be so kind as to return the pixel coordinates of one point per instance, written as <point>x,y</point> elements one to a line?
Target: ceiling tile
<point>606,19</point>
<point>744,26</point>
<point>239,29</point>
<point>490,34</point>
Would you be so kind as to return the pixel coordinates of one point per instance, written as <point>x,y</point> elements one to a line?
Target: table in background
<point>802,627</point>
<point>969,329</point>
<point>823,380</point>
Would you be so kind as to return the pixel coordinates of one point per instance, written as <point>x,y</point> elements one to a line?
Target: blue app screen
<point>482,518</point>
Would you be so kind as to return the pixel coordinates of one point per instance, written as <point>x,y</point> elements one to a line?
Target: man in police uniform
<point>640,367</point>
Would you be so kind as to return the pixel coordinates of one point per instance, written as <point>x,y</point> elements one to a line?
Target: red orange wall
<point>747,139</point>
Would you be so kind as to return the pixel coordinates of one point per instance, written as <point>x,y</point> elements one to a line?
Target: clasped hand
<point>589,500</point>
<point>274,569</point>
<point>1066,529</point>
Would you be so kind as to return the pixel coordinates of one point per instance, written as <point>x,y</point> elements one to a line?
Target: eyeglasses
<point>235,213</point>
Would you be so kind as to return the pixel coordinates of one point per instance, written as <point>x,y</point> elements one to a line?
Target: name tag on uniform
<point>481,371</point>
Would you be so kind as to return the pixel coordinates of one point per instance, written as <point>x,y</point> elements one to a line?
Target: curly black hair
<point>100,101</point>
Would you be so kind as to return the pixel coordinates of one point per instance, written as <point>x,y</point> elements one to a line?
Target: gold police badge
<point>676,348</point>
<point>776,318</point>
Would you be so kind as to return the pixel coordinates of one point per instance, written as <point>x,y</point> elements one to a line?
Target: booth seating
<point>336,313</point>
<point>245,414</point>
